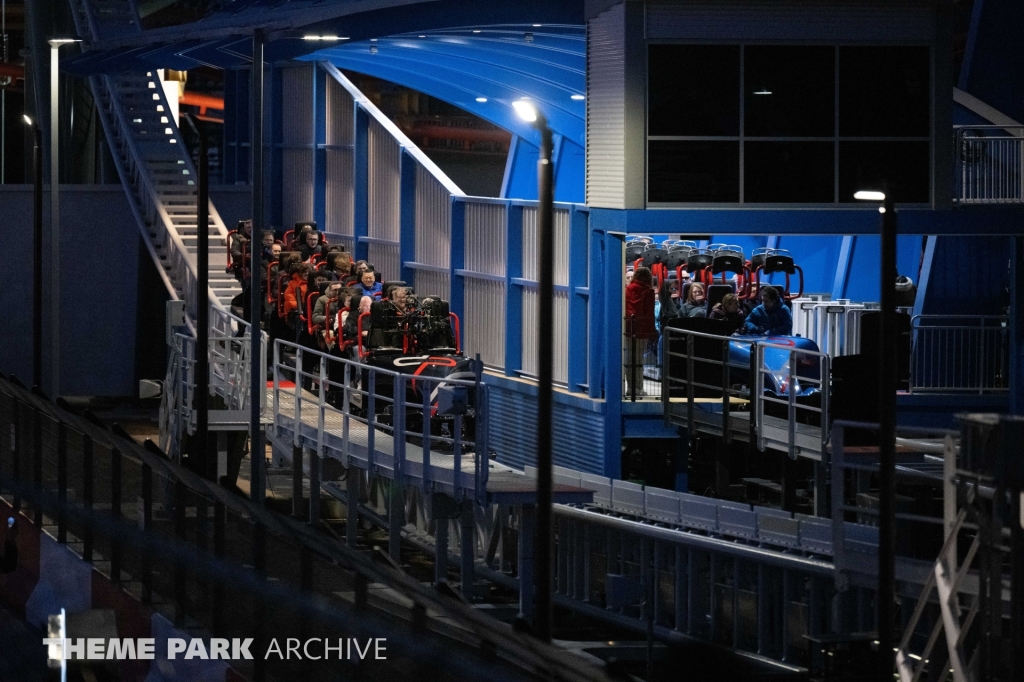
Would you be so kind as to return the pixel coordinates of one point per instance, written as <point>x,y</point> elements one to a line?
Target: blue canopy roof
<point>483,69</point>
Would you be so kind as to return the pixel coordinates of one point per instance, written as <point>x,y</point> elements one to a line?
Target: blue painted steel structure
<point>506,51</point>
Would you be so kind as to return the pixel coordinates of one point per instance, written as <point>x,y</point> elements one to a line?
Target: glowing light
<point>526,110</point>
<point>577,97</point>
<point>481,99</point>
<point>869,195</point>
<point>324,37</point>
<point>27,119</point>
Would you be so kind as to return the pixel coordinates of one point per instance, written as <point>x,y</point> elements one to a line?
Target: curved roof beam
<point>464,67</point>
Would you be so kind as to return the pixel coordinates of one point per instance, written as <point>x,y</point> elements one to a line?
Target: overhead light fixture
<point>525,109</point>
<point>536,25</point>
<point>373,40</point>
<point>328,38</point>
<point>63,41</point>
<point>476,31</point>
<point>577,97</point>
<point>27,119</point>
<point>422,36</point>
<point>869,195</point>
<point>762,91</point>
<point>481,99</point>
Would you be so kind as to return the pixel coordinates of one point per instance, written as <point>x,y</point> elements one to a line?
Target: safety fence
<point>834,325</point>
<point>989,164</point>
<point>763,391</point>
<point>230,372</point>
<point>430,430</point>
<point>216,564</point>
<point>960,354</point>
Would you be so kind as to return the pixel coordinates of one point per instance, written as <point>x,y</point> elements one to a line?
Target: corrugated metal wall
<point>338,195</point>
<point>433,233</point>
<point>561,313</point>
<point>484,304</point>
<point>606,114</point>
<point>384,187</point>
<point>578,441</point>
<point>297,140</point>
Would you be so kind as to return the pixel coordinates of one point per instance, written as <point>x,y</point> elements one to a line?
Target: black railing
<point>216,563</point>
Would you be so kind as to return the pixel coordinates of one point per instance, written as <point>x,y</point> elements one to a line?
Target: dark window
<point>902,166</point>
<point>693,89</point>
<point>884,92</point>
<point>693,171</point>
<point>789,91</point>
<point>789,172</point>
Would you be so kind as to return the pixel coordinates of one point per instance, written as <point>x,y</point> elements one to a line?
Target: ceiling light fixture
<point>481,99</point>
<point>328,38</point>
<point>762,92</point>
<point>577,97</point>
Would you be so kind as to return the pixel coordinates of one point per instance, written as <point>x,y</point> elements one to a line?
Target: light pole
<point>545,352</point>
<point>887,386</point>
<point>37,253</point>
<point>55,213</point>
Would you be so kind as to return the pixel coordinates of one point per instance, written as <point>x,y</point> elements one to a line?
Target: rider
<point>771,318</point>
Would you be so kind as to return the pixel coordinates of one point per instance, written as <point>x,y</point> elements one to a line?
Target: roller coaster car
<point>775,367</point>
<point>422,342</point>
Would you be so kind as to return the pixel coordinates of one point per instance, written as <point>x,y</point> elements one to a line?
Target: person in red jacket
<point>295,294</point>
<point>640,329</point>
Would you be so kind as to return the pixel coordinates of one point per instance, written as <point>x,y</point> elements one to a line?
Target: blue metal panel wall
<point>966,276</point>
<point>991,67</point>
<point>236,126</point>
<point>570,172</point>
<point>521,171</point>
<point>578,433</point>
<point>320,109</point>
<point>362,182</point>
<point>862,282</point>
<point>113,327</point>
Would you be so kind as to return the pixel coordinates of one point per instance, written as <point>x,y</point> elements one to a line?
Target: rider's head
<point>769,297</point>
<point>364,304</point>
<point>368,278</point>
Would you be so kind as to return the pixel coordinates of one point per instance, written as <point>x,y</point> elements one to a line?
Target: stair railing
<point>182,267</point>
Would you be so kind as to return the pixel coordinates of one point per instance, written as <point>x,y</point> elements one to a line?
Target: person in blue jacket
<point>771,318</point>
<point>368,284</point>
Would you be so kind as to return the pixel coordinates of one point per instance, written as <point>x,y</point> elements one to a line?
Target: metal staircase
<point>153,163</point>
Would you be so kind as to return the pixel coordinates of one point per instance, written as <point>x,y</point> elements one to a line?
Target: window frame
<point>742,138</point>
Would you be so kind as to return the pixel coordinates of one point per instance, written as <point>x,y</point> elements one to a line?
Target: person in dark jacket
<point>696,303</point>
<point>310,245</point>
<point>640,328</point>
<point>771,318</point>
<point>729,309</point>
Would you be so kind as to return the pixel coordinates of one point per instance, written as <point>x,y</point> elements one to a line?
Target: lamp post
<point>55,45</point>
<point>37,253</point>
<point>887,386</point>
<point>545,352</point>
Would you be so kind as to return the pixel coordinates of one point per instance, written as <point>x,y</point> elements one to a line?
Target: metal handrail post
<point>791,408</point>
<point>398,430</point>
<point>297,440</point>
<point>689,385</point>
<point>425,414</point>
<point>346,416</point>
<point>371,410</point>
